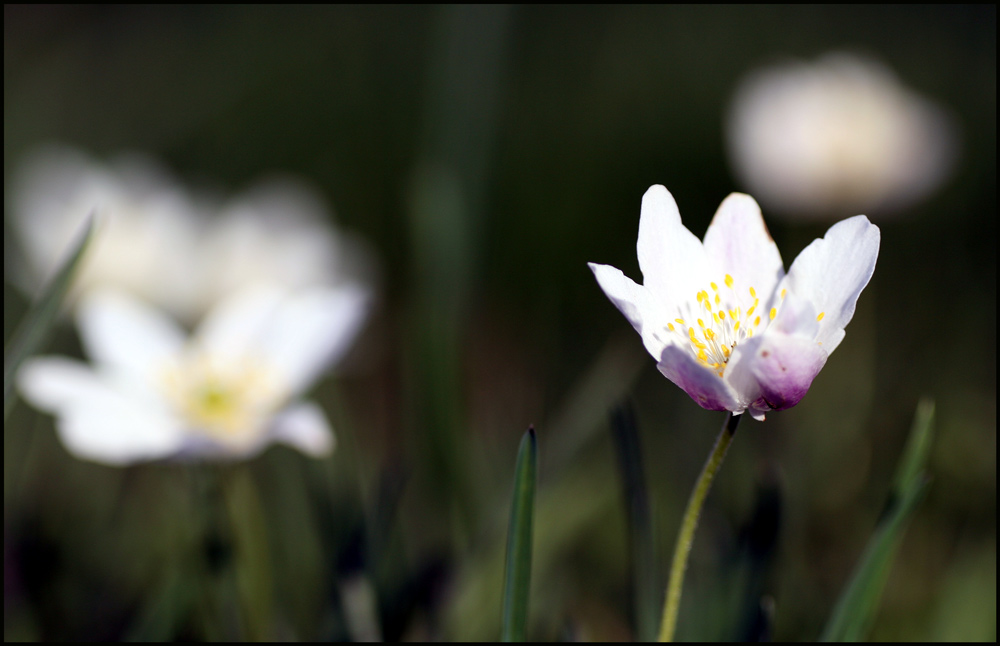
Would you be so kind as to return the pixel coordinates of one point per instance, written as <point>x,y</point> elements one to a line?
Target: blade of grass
<point>517,577</point>
<point>37,323</point>
<point>645,586</point>
<point>855,610</point>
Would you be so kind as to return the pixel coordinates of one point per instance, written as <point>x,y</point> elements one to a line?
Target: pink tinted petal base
<point>785,367</point>
<point>701,383</point>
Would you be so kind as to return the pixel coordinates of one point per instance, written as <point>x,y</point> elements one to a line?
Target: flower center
<point>719,320</point>
<point>222,398</point>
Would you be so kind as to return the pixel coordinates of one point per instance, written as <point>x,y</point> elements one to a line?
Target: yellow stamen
<point>717,299</point>
<point>702,355</point>
<point>722,314</point>
<point>821,315</point>
<point>783,292</point>
<point>753,293</point>
<point>750,311</point>
<point>681,321</point>
<point>736,326</point>
<point>756,321</point>
<point>715,287</point>
<point>670,326</point>
<point>701,323</point>
<point>774,312</point>
<point>729,281</point>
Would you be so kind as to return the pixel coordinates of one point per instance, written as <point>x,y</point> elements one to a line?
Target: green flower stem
<point>690,523</point>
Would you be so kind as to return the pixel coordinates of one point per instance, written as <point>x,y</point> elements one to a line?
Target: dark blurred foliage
<point>488,154</point>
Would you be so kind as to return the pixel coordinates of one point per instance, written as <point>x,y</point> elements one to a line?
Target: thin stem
<point>690,522</point>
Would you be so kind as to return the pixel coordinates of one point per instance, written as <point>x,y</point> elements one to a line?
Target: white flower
<point>229,391</point>
<point>278,232</point>
<point>155,242</point>
<point>838,136</point>
<point>148,228</point>
<point>722,319</point>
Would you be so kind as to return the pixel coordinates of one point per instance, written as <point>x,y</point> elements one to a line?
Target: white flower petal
<point>673,262</point>
<point>785,367</point>
<point>700,382</point>
<point>312,331</point>
<point>636,303</point>
<point>126,335</point>
<point>95,420</point>
<point>277,231</point>
<point>305,427</point>
<point>738,243</point>
<point>831,273</point>
<point>236,326</point>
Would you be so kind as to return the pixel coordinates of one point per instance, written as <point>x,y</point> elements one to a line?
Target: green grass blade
<point>517,576</point>
<point>646,585</point>
<point>35,326</point>
<point>855,610</point>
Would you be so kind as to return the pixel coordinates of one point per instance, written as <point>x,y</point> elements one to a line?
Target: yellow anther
<point>725,351</point>
<point>701,323</point>
<point>670,326</point>
<point>736,326</point>
<point>703,356</point>
<point>774,312</point>
<point>756,321</point>
<point>681,321</point>
<point>709,335</point>
<point>750,311</point>
<point>783,292</point>
<point>729,281</point>
<point>734,314</point>
<point>717,299</point>
<point>750,332</point>
<point>821,315</point>
<point>716,316</point>
<point>753,293</point>
<point>708,306</point>
<point>722,314</point>
<point>720,373</point>
<point>715,287</point>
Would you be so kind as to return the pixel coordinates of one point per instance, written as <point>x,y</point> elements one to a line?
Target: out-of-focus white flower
<point>722,318</point>
<point>157,243</point>
<point>148,228</point>
<point>836,137</point>
<point>228,392</point>
<point>278,231</point>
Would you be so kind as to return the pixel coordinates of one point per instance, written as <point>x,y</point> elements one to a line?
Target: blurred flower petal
<point>97,421</point>
<point>313,330</point>
<point>304,427</point>
<point>126,335</point>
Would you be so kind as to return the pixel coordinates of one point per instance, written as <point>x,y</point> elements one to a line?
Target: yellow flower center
<point>222,398</point>
<point>721,318</point>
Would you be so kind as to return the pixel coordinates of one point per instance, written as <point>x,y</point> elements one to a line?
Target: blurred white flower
<point>279,232</point>
<point>229,391</point>
<point>837,137</point>
<point>156,242</point>
<point>148,228</point>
